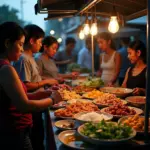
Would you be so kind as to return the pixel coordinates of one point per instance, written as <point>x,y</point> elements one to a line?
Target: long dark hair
<point>139,45</point>
<point>48,41</point>
<point>11,31</point>
<point>107,36</point>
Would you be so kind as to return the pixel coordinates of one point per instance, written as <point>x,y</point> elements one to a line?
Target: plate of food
<point>59,105</point>
<point>82,89</point>
<point>79,100</point>
<point>136,122</point>
<point>93,94</point>
<point>75,108</point>
<point>84,117</point>
<point>120,110</point>
<point>66,124</point>
<point>101,133</point>
<point>118,91</point>
<point>71,139</point>
<point>137,101</point>
<point>108,99</point>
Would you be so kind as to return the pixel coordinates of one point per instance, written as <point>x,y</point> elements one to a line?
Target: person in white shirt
<point>85,55</point>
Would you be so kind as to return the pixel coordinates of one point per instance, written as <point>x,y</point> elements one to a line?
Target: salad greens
<point>106,130</point>
<point>93,82</point>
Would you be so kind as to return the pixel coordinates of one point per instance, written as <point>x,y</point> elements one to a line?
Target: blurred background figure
<point>125,64</point>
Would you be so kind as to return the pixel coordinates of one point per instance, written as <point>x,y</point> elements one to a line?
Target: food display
<point>136,122</point>
<point>61,86</point>
<point>105,132</point>
<point>93,94</point>
<point>120,110</point>
<point>74,108</point>
<point>82,89</point>
<point>107,99</point>
<point>60,105</point>
<point>93,82</point>
<point>92,116</point>
<point>68,95</point>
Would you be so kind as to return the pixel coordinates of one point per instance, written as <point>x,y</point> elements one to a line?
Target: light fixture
<point>52,32</point>
<point>113,26</point>
<point>81,34</point>
<point>59,40</point>
<point>60,19</point>
<point>94,29</point>
<point>86,28</point>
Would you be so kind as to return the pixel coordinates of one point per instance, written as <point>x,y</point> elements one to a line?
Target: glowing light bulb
<point>113,26</point>
<point>59,40</point>
<point>86,29</point>
<point>52,32</point>
<point>81,35</point>
<point>94,29</point>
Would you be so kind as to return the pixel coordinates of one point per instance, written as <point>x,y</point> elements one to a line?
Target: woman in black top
<point>136,76</point>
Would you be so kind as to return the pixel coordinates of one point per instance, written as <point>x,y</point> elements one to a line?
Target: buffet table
<point>132,144</point>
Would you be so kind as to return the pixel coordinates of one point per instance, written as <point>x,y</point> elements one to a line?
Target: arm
<point>40,65</point>
<point>124,84</point>
<point>17,94</point>
<point>63,62</point>
<point>118,66</point>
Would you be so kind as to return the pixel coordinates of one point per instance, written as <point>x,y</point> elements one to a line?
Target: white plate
<point>137,110</point>
<point>77,143</point>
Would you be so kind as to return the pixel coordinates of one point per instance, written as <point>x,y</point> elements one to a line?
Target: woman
<point>110,60</point>
<point>15,106</point>
<point>136,76</point>
<point>45,61</point>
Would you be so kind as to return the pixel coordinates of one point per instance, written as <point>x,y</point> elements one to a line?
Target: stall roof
<point>130,9</point>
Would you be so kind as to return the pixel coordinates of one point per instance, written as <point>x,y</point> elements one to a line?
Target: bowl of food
<point>136,122</point>
<point>66,124</point>
<point>137,101</point>
<point>120,92</point>
<point>84,117</point>
<point>101,133</point>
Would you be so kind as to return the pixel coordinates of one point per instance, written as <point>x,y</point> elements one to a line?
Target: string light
<point>113,26</point>
<point>59,40</point>
<point>94,29</point>
<point>81,35</point>
<point>52,32</point>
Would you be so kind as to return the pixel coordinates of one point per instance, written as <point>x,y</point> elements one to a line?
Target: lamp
<point>86,28</point>
<point>81,34</point>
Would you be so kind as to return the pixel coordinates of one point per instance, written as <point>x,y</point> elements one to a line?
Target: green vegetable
<point>103,130</point>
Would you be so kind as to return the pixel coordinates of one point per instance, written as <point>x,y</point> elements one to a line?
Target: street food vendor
<point>136,76</point>
<point>45,62</point>
<point>110,60</point>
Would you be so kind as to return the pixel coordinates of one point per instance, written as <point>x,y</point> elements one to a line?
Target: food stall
<point>121,122</point>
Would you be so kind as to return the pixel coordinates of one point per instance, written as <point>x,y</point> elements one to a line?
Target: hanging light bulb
<point>86,29</point>
<point>94,29</point>
<point>113,26</point>
<point>81,35</point>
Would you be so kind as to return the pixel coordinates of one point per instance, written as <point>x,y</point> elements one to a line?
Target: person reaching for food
<point>136,76</point>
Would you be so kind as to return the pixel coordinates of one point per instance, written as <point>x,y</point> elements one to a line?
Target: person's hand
<point>74,75</point>
<point>110,84</point>
<point>44,94</point>
<point>137,91</point>
<point>56,97</point>
<point>51,81</point>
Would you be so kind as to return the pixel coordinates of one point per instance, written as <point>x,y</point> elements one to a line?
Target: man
<point>125,61</point>
<point>85,55</point>
<point>29,74</point>
<point>65,57</point>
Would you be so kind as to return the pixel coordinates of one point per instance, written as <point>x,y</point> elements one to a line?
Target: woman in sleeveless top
<point>110,60</point>
<point>15,106</point>
<point>136,76</point>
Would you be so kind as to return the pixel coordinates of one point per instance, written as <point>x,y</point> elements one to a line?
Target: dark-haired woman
<point>15,106</point>
<point>136,76</point>
<point>110,60</point>
<point>45,60</point>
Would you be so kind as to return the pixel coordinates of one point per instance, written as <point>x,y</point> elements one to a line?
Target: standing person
<point>110,60</point>
<point>30,75</point>
<point>15,106</point>
<point>85,55</point>
<point>124,57</point>
<point>45,62</point>
<point>136,76</point>
<point>65,57</point>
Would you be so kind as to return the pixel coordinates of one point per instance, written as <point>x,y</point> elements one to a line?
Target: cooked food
<point>69,125</point>
<point>120,109</point>
<point>93,116</point>
<point>93,94</point>
<point>135,122</point>
<point>60,104</point>
<point>74,108</point>
<point>137,100</point>
<point>82,89</point>
<point>68,95</point>
<point>104,130</point>
<point>61,86</point>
